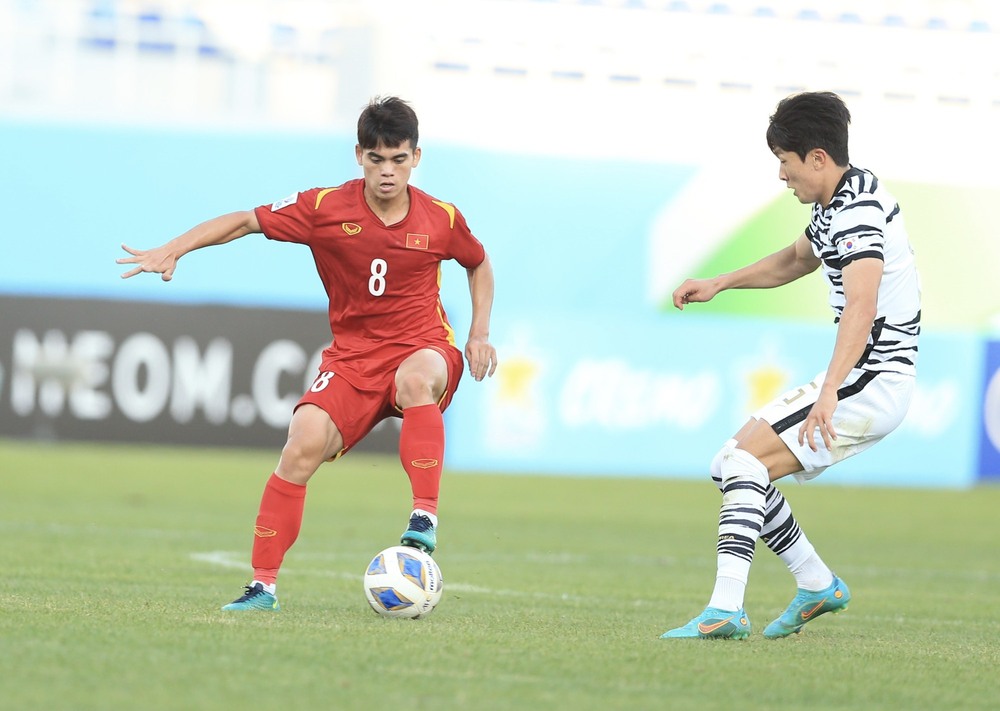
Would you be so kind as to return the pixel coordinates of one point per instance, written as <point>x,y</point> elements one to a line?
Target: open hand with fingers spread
<point>158,261</point>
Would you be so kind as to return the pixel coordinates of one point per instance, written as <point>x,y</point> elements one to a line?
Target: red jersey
<point>383,282</point>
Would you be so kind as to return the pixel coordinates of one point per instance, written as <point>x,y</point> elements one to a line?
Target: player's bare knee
<point>300,459</point>
<point>414,388</point>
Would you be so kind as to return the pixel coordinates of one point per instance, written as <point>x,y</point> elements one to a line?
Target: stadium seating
<point>239,55</point>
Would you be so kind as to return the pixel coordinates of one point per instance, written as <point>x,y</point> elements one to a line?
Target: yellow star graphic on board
<point>766,383</point>
<point>516,378</point>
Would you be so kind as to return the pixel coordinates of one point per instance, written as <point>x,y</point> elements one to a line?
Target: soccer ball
<point>403,582</point>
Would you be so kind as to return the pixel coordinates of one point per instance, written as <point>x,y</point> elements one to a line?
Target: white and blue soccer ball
<point>403,582</point>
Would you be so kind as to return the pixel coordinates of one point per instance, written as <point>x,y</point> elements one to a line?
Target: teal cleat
<point>807,606</point>
<point>713,623</point>
<point>420,534</point>
<point>255,598</point>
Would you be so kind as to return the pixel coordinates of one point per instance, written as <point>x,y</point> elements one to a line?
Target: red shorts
<point>360,393</point>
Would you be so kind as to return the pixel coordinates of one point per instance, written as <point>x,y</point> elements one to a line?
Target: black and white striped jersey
<point>863,221</point>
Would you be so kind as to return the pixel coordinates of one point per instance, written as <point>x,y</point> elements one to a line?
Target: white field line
<point>234,561</point>
<point>237,561</point>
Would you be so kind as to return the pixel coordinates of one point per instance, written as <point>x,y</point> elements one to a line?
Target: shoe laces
<point>420,523</point>
<point>251,591</point>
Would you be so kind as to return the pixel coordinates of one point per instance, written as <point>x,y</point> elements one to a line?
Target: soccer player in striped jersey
<point>378,244</point>
<point>857,236</point>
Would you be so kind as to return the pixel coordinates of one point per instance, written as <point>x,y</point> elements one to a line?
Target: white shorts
<point>872,404</point>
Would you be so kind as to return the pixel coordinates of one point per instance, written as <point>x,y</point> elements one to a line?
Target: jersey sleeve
<point>858,230</point>
<point>290,219</point>
<point>465,248</point>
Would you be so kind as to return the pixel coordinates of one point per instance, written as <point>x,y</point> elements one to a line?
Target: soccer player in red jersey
<point>378,244</point>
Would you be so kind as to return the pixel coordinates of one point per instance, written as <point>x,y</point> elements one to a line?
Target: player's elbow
<point>862,310</point>
<point>806,266</point>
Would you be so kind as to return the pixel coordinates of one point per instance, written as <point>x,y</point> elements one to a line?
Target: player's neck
<point>392,210</point>
<point>832,183</point>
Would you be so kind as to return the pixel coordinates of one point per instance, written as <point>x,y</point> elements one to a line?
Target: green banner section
<point>952,232</point>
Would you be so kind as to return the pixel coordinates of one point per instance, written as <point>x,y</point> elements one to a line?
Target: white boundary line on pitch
<point>231,560</point>
<point>228,559</point>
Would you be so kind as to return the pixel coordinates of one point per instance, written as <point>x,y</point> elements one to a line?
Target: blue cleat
<point>255,598</point>
<point>420,534</point>
<point>807,606</point>
<point>713,623</point>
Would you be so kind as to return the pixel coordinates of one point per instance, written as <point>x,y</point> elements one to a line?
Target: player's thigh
<point>423,378</point>
<point>871,405</point>
<point>352,410</point>
<point>759,439</point>
<point>869,411</point>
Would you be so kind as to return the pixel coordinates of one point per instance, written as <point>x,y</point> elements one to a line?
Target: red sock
<point>421,450</point>
<point>278,523</point>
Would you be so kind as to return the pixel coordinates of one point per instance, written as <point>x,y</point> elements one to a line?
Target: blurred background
<point>603,150</point>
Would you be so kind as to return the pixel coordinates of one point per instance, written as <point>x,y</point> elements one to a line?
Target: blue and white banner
<point>989,443</point>
<point>658,396</point>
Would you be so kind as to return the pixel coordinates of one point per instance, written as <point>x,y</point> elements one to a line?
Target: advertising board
<point>97,370</point>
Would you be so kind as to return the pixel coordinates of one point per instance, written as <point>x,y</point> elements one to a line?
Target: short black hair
<point>389,121</point>
<point>809,120</point>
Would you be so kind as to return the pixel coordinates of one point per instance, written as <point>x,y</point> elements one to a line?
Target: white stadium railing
<point>313,63</point>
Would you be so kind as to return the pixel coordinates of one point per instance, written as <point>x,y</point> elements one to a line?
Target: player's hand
<point>695,291</point>
<point>482,357</point>
<point>158,261</point>
<point>820,418</point>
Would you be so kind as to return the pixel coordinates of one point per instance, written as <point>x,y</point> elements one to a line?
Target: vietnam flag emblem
<point>415,241</point>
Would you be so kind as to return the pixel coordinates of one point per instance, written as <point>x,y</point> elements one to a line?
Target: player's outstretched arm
<point>163,259</point>
<point>480,353</point>
<point>777,269</point>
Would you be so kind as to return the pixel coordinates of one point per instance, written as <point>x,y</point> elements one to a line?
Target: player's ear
<point>357,152</point>
<point>416,156</point>
<point>818,158</point>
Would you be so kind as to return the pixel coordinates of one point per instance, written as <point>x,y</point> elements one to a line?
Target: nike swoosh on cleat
<point>709,629</point>
<point>806,614</point>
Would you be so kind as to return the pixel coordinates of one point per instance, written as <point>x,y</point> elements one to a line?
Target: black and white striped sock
<point>741,517</point>
<point>782,534</point>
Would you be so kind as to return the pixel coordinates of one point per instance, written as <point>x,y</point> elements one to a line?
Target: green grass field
<point>116,560</point>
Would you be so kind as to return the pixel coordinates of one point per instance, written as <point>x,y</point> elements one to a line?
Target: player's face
<point>800,176</point>
<point>387,169</point>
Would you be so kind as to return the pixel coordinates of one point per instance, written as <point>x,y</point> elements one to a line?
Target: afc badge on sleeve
<point>290,200</point>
